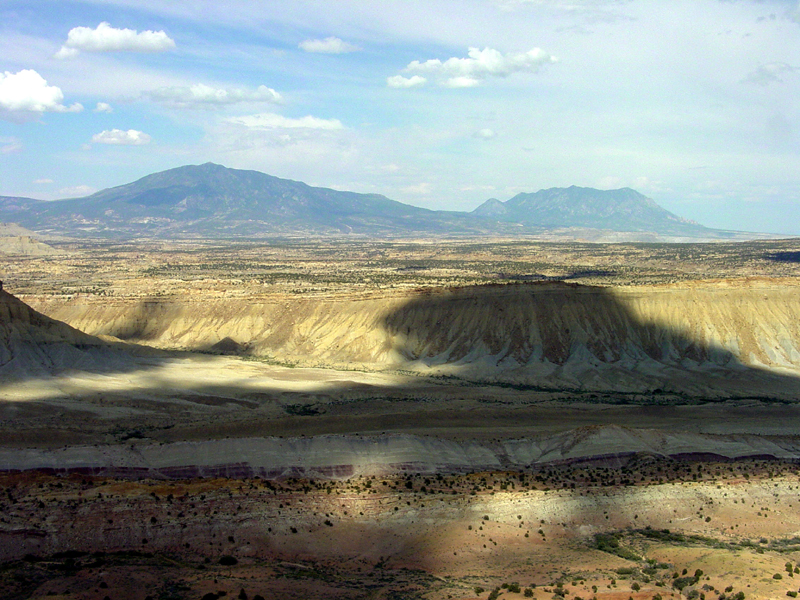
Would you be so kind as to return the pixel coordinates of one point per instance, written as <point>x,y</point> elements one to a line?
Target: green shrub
<point>682,582</point>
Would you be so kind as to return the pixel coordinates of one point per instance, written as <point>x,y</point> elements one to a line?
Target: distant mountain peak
<point>491,208</point>
<point>623,209</point>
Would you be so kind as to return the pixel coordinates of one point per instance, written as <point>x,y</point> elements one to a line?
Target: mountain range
<point>213,201</point>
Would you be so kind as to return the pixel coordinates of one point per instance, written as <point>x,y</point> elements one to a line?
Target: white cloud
<point>28,92</point>
<point>485,134</point>
<point>330,45</point>
<point>118,137</point>
<point>201,95</point>
<point>481,65</point>
<point>461,82</point>
<point>398,81</point>
<point>103,107</point>
<point>77,191</point>
<point>769,73</point>
<point>42,181</point>
<point>9,145</point>
<point>65,53</point>
<point>275,121</point>
<point>106,38</point>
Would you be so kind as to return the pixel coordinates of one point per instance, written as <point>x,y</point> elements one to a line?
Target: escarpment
<point>546,332</point>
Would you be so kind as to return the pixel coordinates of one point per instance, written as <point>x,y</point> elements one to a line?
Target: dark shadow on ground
<point>784,257</point>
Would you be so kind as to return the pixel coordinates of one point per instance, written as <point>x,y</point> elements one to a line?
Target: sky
<point>437,103</point>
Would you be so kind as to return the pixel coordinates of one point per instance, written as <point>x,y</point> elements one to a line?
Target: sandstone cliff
<point>550,334</point>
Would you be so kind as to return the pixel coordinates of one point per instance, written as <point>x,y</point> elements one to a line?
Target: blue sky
<point>440,104</point>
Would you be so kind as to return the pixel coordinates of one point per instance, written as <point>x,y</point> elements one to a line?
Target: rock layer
<point>339,456</point>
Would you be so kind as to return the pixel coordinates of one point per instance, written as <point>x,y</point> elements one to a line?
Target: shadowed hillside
<point>33,345</point>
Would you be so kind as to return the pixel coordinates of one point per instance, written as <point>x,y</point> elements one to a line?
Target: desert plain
<point>346,418</point>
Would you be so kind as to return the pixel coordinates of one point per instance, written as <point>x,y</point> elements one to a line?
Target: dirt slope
<point>556,334</point>
<point>34,345</point>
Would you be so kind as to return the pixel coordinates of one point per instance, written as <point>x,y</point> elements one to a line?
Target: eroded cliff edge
<point>690,338</point>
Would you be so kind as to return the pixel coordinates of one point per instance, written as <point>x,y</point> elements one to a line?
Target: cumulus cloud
<point>485,134</point>
<point>275,121</point>
<point>201,95</point>
<point>103,107</point>
<point>65,53</point>
<point>330,45</point>
<point>461,82</point>
<point>398,81</point>
<point>769,73</point>
<point>480,65</point>
<point>105,38</point>
<point>118,137</point>
<point>27,92</point>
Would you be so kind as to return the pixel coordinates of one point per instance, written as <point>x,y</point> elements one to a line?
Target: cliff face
<point>545,334</point>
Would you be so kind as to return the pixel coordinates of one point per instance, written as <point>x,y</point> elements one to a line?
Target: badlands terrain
<point>337,418</point>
